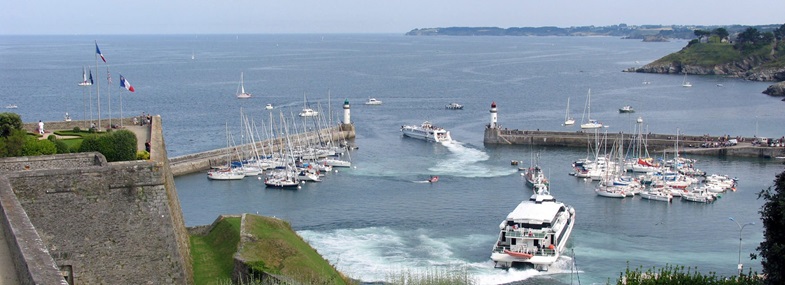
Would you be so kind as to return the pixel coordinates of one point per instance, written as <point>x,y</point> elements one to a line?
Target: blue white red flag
<point>98,51</point>
<point>124,83</point>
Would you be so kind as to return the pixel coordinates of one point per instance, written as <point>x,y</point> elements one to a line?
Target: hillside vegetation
<point>266,246</point>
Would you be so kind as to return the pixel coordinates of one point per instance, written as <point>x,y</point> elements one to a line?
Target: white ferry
<point>427,132</point>
<point>535,233</point>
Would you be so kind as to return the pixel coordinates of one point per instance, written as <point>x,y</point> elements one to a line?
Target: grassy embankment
<point>716,53</point>
<point>273,248</point>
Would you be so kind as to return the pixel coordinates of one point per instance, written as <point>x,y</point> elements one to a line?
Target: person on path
<point>40,127</point>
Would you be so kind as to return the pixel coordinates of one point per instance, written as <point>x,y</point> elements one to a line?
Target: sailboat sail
<point>242,94</point>
<point>85,82</point>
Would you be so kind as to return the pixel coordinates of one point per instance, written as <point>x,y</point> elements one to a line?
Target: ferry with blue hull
<point>535,233</point>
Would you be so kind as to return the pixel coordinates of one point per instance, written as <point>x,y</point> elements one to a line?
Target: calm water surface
<point>379,218</point>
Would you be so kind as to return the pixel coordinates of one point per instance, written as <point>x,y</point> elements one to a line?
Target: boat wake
<point>467,162</point>
<point>376,254</point>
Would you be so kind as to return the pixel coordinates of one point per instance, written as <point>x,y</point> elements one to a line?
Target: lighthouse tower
<point>494,121</point>
<point>347,117</point>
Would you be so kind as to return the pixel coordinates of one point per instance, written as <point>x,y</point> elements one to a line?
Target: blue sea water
<point>377,218</point>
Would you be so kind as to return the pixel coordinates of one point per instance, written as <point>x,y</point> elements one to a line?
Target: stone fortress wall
<point>77,218</point>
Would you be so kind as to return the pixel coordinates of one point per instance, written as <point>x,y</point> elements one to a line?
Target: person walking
<point>40,127</point>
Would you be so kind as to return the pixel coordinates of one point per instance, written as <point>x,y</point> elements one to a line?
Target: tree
<point>9,122</point>
<point>701,33</point>
<point>15,142</point>
<point>772,248</point>
<point>779,33</point>
<point>722,33</point>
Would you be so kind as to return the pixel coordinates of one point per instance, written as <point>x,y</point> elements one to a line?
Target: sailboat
<point>86,82</point>
<point>686,83</point>
<point>307,112</point>
<point>591,124</point>
<point>568,121</point>
<point>193,56</point>
<point>242,94</point>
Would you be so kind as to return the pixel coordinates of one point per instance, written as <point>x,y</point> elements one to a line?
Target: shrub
<point>115,146</point>
<point>9,122</point>
<point>62,147</point>
<point>51,138</point>
<point>77,129</point>
<point>142,155</point>
<point>33,146</point>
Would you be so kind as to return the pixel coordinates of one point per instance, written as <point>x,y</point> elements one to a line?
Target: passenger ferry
<point>427,132</point>
<point>535,233</point>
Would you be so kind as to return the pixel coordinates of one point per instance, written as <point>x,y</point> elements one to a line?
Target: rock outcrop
<point>749,69</point>
<point>777,90</point>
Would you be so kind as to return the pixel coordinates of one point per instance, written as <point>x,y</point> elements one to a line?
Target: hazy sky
<point>364,16</point>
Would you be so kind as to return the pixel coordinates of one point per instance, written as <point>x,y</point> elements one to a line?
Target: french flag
<point>124,83</point>
<point>98,51</point>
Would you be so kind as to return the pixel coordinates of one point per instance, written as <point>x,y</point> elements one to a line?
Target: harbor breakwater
<point>654,143</point>
<point>201,161</point>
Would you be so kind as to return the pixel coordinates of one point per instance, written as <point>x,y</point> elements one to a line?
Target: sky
<point>62,17</point>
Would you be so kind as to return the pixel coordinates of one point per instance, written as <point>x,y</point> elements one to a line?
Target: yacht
<point>373,101</point>
<point>268,106</point>
<point>626,109</point>
<point>535,233</point>
<point>308,112</point>
<point>427,132</point>
<point>454,106</point>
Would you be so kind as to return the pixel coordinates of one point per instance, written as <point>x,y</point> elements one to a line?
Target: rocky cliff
<point>755,68</point>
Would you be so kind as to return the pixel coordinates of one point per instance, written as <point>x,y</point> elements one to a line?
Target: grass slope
<point>716,53</point>
<point>212,255</point>
<point>270,246</point>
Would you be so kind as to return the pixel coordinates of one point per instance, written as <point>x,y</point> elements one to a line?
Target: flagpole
<point>98,94</point>
<point>109,94</point>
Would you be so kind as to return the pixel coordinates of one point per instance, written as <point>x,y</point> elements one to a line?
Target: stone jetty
<point>701,145</point>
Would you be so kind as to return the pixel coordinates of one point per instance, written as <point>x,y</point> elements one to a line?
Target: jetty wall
<point>78,218</point>
<point>653,142</point>
<point>201,161</point>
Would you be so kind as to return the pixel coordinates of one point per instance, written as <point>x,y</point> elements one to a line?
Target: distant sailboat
<point>592,123</point>
<point>568,121</point>
<point>242,94</point>
<point>193,56</point>
<point>86,82</point>
<point>686,83</point>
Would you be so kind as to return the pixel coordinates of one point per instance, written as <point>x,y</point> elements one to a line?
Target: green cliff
<point>751,55</point>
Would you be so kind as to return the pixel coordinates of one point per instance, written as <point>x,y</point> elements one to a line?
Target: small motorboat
<point>626,109</point>
<point>269,106</point>
<point>454,106</point>
<point>433,179</point>
<point>11,106</point>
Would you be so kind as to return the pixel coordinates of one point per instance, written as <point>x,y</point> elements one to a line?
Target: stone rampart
<point>31,260</point>
<point>70,125</point>
<point>95,222</point>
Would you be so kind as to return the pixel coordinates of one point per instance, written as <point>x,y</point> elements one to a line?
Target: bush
<point>77,129</point>
<point>115,146</point>
<point>33,146</point>
<point>51,138</point>
<point>62,147</point>
<point>142,155</point>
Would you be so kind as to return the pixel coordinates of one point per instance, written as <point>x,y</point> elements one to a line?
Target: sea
<point>380,218</point>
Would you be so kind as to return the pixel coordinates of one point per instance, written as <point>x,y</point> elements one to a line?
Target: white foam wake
<point>379,253</point>
<point>467,162</point>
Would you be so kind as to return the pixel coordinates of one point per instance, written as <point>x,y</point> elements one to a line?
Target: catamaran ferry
<point>427,132</point>
<point>535,233</point>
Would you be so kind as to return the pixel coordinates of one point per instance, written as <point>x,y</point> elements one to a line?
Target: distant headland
<point>652,33</point>
<point>749,52</point>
